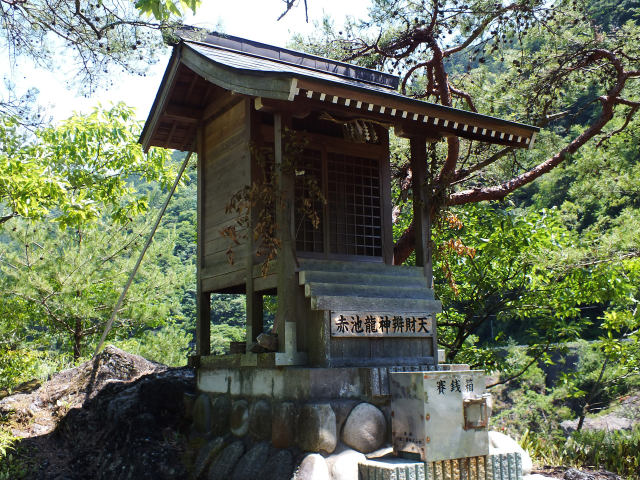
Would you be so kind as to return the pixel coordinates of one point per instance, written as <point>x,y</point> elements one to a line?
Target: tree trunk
<point>77,340</point>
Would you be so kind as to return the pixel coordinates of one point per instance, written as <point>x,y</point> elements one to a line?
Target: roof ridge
<point>261,50</point>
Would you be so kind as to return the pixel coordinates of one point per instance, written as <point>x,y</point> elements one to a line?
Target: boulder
<point>343,465</point>
<point>206,454</point>
<point>316,430</point>
<point>501,443</point>
<point>260,420</point>
<point>573,474</point>
<point>221,413</point>
<point>312,467</point>
<point>240,418</point>
<point>250,466</point>
<point>342,409</point>
<point>202,414</point>
<point>224,463</point>
<point>279,466</point>
<point>365,428</point>
<point>282,424</point>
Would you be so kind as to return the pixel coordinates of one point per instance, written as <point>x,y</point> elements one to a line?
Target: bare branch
<point>464,95</point>
<point>628,118</point>
<point>522,371</point>
<point>464,172</point>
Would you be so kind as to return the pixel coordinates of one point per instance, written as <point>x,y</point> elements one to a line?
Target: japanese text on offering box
<point>362,324</point>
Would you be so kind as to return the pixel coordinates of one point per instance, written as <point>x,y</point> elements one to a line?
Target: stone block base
<point>392,469</point>
<point>492,467</point>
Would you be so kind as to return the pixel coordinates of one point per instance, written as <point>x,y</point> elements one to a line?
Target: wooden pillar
<point>254,300</point>
<point>203,299</point>
<point>288,287</point>
<point>421,206</point>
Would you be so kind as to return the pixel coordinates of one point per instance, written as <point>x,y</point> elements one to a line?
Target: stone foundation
<point>309,423</point>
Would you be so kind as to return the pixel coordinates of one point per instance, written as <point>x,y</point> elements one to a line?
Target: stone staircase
<point>366,286</point>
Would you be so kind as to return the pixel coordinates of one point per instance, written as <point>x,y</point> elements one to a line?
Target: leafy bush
<point>223,335</point>
<point>12,466</point>
<point>25,364</point>
<point>526,407</point>
<point>169,345</point>
<point>616,450</point>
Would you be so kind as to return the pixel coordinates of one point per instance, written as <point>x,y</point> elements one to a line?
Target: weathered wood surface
<point>288,289</point>
<point>421,206</point>
<point>203,299</point>
<point>376,304</point>
<point>362,278</point>
<point>400,104</point>
<point>226,170</point>
<point>224,281</point>
<point>314,289</point>
<point>392,291</point>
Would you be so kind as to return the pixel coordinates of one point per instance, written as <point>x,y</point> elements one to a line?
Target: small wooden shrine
<point>341,300</point>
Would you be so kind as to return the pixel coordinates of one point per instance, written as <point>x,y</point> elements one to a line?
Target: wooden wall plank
<point>224,281</point>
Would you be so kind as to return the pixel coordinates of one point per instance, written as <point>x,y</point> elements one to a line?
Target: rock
<point>316,430</point>
<point>344,465</point>
<point>202,414</point>
<point>223,465</point>
<point>573,474</point>
<point>162,395</point>
<point>221,412</point>
<point>206,454</point>
<point>501,443</point>
<point>381,452</point>
<point>260,420</point>
<point>605,422</point>
<point>365,428</point>
<point>250,466</point>
<point>313,467</point>
<point>111,420</point>
<point>282,424</point>
<point>268,342</point>
<point>240,418</point>
<point>342,409</point>
<point>188,399</point>
<point>279,466</point>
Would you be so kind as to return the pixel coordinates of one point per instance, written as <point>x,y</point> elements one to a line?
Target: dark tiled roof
<point>284,56</point>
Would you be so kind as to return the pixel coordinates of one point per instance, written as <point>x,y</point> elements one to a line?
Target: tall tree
<point>92,37</point>
<point>72,205</point>
<point>78,169</point>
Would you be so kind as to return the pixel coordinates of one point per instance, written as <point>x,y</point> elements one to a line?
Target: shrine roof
<point>201,61</point>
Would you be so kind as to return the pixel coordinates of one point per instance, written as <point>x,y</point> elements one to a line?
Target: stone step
<point>381,292</point>
<point>361,278</point>
<point>375,304</point>
<point>360,267</point>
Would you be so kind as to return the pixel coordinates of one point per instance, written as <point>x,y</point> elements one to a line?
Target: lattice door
<point>354,213</point>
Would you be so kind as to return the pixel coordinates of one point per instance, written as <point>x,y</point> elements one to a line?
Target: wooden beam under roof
<point>446,121</point>
<point>182,113</point>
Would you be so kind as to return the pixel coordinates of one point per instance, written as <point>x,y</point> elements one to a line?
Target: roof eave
<point>160,100</point>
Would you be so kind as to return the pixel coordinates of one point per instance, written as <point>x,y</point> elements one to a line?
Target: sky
<point>252,19</point>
